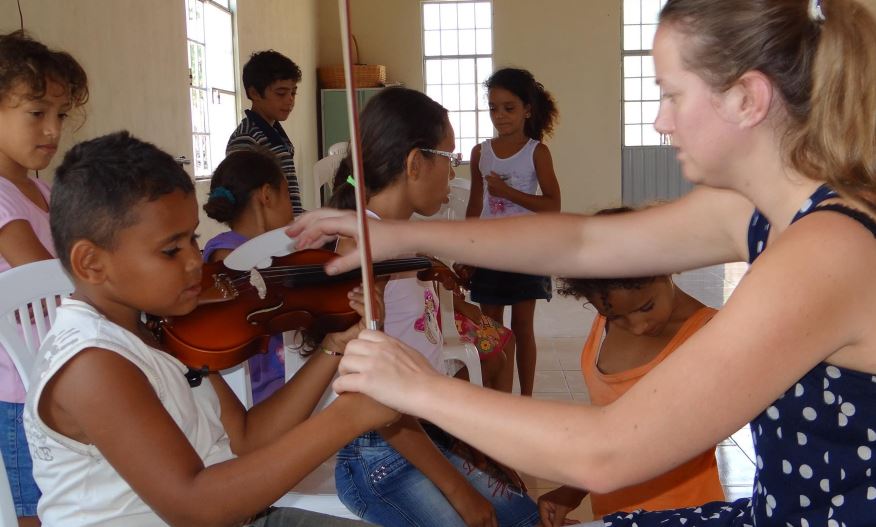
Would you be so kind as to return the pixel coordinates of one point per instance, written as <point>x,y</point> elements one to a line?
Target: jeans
<point>378,484</point>
<point>16,458</point>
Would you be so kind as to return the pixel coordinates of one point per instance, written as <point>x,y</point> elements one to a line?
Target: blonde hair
<point>825,71</point>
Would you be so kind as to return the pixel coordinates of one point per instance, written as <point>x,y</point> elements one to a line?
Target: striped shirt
<point>254,130</point>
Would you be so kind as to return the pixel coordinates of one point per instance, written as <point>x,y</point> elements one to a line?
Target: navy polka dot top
<point>815,445</point>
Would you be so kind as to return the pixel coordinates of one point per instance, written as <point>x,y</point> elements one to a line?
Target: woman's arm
<point>137,436</point>
<point>705,227</point>
<point>19,245</point>
<point>476,193</point>
<point>548,201</point>
<point>765,339</point>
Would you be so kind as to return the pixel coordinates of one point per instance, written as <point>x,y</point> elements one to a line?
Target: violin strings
<point>316,270</point>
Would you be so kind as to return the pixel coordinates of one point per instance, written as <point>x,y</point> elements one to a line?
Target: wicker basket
<point>364,76</point>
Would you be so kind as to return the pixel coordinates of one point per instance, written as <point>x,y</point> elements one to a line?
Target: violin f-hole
<point>251,316</point>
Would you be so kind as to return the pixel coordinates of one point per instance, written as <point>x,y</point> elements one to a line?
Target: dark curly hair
<point>542,106</point>
<point>592,288</point>
<point>25,60</point>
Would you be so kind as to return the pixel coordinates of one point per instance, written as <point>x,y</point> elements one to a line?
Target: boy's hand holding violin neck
<point>316,228</point>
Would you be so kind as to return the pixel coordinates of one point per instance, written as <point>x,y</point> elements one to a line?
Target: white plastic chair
<point>324,170</point>
<point>28,289</point>
<point>454,347</point>
<point>33,288</point>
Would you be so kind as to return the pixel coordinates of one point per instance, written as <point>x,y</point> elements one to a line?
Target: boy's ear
<point>87,262</point>
<point>252,93</point>
<point>413,163</point>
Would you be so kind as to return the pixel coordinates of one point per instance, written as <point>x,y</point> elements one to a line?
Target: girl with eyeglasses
<point>506,174</point>
<point>413,474</point>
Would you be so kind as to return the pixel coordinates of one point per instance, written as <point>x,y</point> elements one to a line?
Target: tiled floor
<point>562,325</point>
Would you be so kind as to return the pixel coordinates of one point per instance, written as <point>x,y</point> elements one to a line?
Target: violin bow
<point>364,245</point>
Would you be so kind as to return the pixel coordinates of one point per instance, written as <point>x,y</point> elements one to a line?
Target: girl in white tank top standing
<point>506,173</point>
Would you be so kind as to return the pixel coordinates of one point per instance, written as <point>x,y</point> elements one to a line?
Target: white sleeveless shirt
<point>519,173</point>
<point>80,488</point>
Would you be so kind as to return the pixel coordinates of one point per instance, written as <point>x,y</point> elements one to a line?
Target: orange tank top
<point>693,483</point>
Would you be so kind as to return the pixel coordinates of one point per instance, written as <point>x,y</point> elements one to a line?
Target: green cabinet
<point>334,123</point>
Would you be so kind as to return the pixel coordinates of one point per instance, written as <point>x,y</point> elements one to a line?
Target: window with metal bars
<point>213,83</point>
<point>641,95</point>
<point>457,59</point>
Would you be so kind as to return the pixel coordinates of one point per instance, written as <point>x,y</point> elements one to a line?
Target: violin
<point>239,311</point>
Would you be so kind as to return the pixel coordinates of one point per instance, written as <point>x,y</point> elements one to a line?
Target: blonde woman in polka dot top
<point>771,107</point>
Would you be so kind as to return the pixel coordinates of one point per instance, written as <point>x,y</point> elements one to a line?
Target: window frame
<point>481,107</point>
<point>209,92</point>
<point>641,53</point>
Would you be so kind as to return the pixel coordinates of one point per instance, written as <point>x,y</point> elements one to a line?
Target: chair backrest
<point>31,293</point>
<point>459,192</point>
<point>324,170</point>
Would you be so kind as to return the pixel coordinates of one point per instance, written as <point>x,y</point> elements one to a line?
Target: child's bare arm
<point>102,399</point>
<point>476,194</point>
<point>19,245</point>
<point>294,402</point>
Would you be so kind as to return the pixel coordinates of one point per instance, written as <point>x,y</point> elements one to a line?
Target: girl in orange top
<point>640,322</point>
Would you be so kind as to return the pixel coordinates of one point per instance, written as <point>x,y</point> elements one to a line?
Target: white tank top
<point>80,488</point>
<point>519,171</point>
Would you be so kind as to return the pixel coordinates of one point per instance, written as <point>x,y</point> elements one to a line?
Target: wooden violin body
<point>240,310</point>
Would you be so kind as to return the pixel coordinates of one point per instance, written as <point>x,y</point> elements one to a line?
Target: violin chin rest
<point>257,252</point>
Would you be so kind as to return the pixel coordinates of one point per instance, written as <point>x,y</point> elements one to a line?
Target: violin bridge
<point>257,281</point>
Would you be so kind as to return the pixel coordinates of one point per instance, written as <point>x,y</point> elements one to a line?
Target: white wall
<point>571,46</point>
<point>134,53</point>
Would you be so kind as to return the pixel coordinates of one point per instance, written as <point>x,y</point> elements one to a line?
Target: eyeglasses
<point>454,157</point>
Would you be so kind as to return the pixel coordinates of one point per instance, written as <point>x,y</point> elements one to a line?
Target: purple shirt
<point>267,371</point>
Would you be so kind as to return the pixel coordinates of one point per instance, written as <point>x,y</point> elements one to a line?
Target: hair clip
<point>351,181</point>
<point>222,192</point>
<point>815,12</point>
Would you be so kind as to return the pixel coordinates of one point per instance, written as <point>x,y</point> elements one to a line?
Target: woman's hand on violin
<point>316,228</point>
<point>385,369</point>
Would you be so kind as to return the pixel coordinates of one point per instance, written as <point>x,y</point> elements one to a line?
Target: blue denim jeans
<point>378,484</point>
<point>16,457</point>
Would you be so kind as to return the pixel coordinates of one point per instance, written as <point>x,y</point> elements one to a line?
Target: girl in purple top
<point>248,193</point>
<point>38,87</point>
